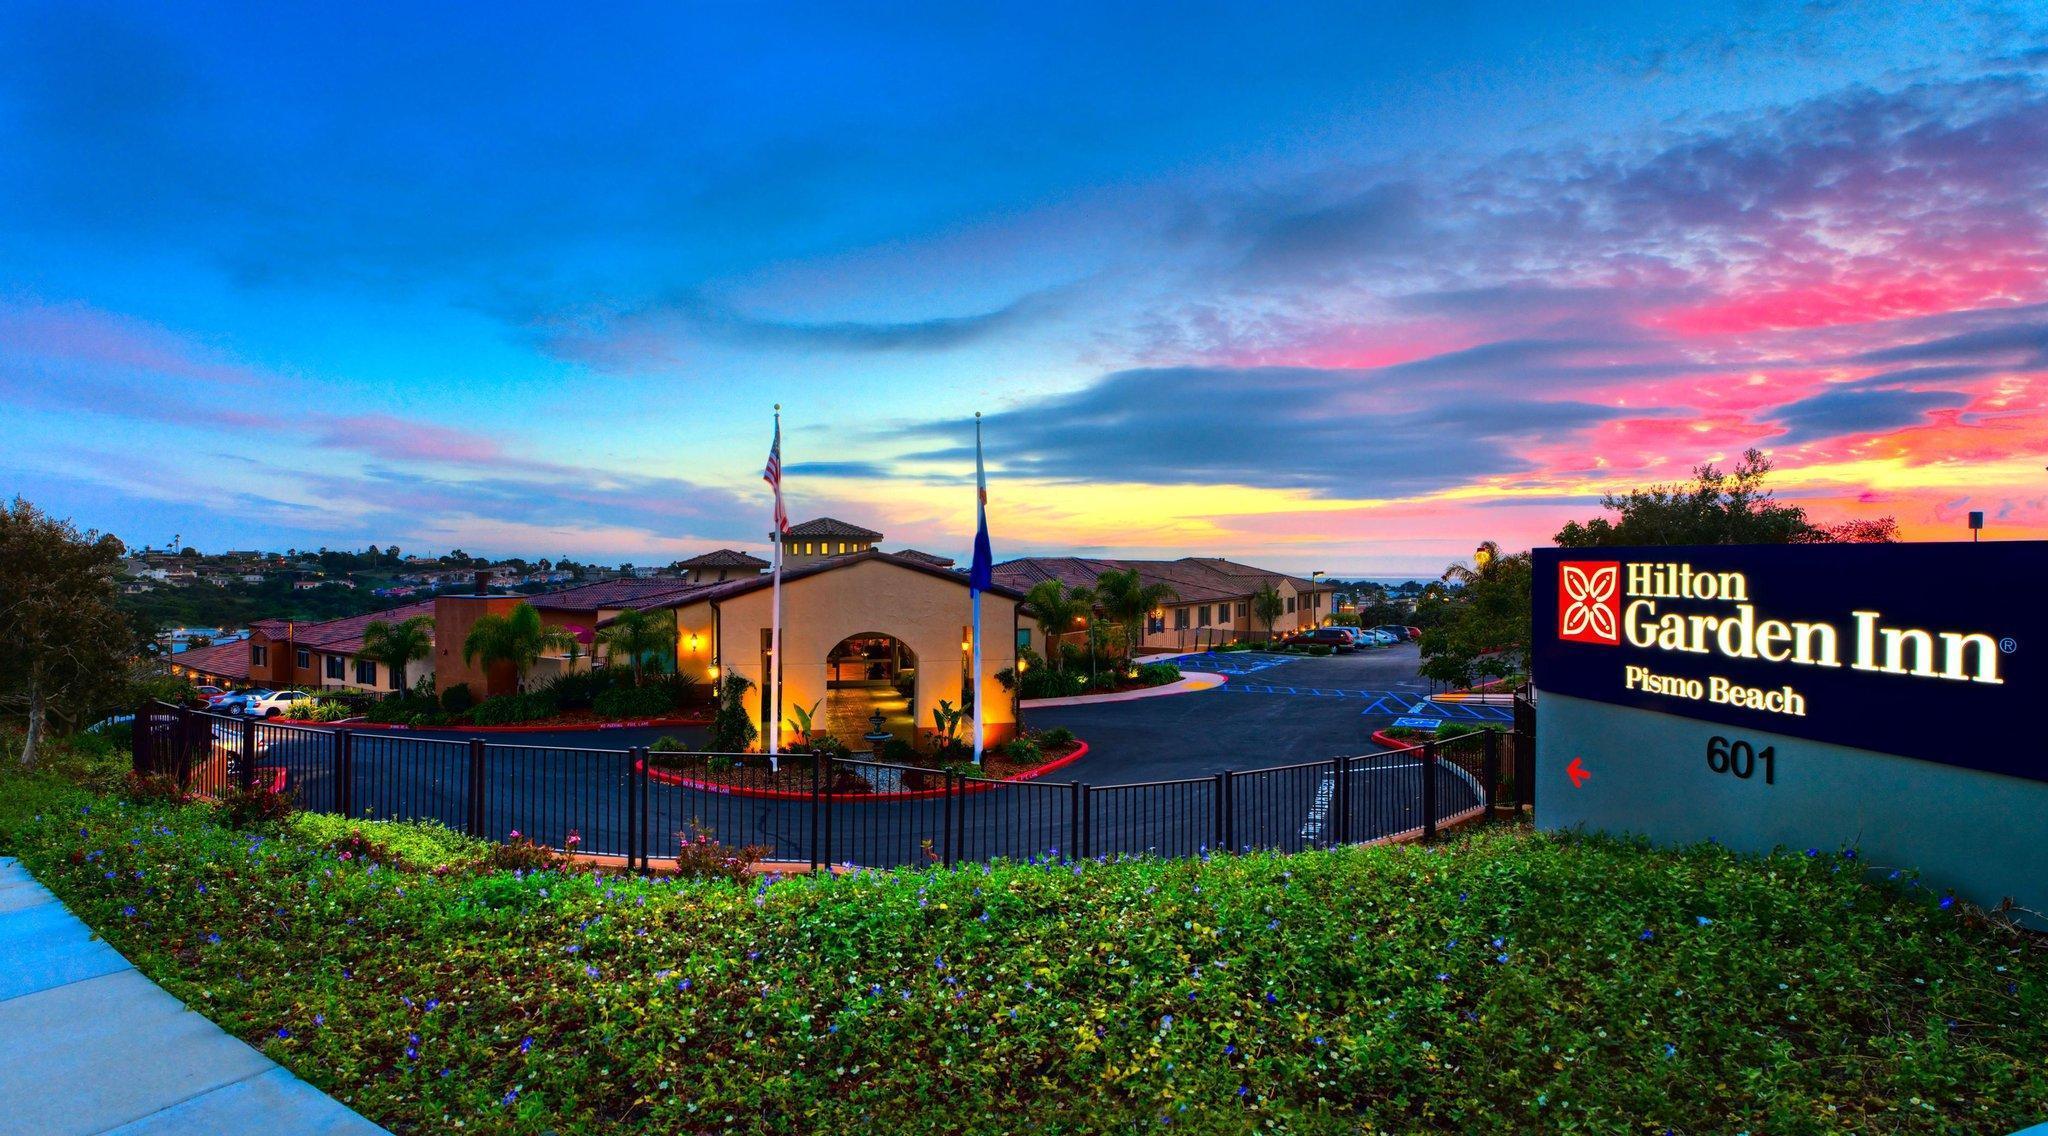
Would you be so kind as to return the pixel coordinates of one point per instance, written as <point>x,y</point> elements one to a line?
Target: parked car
<point>233,701</point>
<point>1399,632</point>
<point>272,703</point>
<point>1375,637</point>
<point>208,693</point>
<point>1336,638</point>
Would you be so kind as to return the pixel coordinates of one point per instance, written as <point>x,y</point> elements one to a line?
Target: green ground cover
<point>1504,981</point>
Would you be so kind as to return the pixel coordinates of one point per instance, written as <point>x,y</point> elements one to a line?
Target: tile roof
<point>724,558</point>
<point>1195,579</point>
<point>345,636</point>
<point>626,591</point>
<point>927,557</point>
<point>715,592</point>
<point>221,660</point>
<point>833,528</point>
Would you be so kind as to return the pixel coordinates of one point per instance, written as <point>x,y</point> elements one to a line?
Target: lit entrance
<point>865,674</point>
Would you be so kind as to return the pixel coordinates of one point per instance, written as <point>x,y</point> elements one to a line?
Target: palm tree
<point>1057,609</point>
<point>396,645</point>
<point>1267,607</point>
<point>638,634</point>
<point>1486,556</point>
<point>1124,596</point>
<point>517,637</point>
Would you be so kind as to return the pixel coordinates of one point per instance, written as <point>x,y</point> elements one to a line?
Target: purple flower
<point>591,971</point>
<point>1647,935</point>
<point>525,1044</point>
<point>1947,902</point>
<point>283,1032</point>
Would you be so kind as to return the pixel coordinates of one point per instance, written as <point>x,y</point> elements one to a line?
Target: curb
<point>1186,684</point>
<point>668,777</point>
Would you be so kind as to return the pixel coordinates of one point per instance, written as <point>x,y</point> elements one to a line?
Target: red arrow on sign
<point>1577,772</point>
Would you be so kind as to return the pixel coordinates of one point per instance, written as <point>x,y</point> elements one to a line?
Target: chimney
<point>483,583</point>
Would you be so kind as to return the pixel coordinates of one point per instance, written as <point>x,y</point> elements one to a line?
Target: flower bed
<point>908,775</point>
<point>1508,981</point>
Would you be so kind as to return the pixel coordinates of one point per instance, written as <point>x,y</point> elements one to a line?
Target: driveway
<point>1275,709</point>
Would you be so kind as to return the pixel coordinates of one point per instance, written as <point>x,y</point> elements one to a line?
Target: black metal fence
<point>638,805</point>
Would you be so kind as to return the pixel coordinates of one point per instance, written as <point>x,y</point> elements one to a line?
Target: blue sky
<point>529,282</point>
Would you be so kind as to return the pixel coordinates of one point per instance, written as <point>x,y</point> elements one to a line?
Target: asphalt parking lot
<point>1272,710</point>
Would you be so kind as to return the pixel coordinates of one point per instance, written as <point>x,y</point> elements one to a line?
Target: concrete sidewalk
<point>94,1047</point>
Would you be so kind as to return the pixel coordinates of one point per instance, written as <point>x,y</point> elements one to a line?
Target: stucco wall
<point>453,617</point>
<point>926,612</point>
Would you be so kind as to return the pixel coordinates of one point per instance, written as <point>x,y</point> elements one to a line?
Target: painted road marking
<point>1394,702</point>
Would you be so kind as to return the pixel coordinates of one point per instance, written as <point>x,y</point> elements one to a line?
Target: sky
<point>1345,287</point>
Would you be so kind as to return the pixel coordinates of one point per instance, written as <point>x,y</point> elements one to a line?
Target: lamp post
<point>1314,579</point>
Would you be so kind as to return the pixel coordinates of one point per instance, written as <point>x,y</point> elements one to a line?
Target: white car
<point>1377,637</point>
<point>271,703</point>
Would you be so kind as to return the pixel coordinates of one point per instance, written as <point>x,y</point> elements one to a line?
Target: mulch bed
<point>794,776</point>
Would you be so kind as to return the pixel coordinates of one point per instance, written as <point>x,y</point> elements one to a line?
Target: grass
<point>1503,982</point>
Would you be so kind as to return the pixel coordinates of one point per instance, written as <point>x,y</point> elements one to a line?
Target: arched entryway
<point>864,674</point>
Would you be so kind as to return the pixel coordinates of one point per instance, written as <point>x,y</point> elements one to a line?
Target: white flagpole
<point>981,523</point>
<point>775,629</point>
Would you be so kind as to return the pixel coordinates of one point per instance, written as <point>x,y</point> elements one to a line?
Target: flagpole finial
<point>778,406</point>
<point>977,414</point>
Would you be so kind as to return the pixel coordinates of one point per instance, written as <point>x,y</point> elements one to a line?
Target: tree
<point>638,634</point>
<point>732,731</point>
<point>63,642</point>
<point>1714,508</point>
<point>1057,610</point>
<point>1486,623</point>
<point>396,645</point>
<point>1124,596</point>
<point>1880,530</point>
<point>517,637</point>
<point>1267,607</point>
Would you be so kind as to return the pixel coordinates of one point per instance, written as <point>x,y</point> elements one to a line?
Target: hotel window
<point>1023,639</point>
<point>842,548</point>
<point>1202,616</point>
<point>1240,611</point>
<point>305,659</point>
<point>1290,605</point>
<point>1180,619</point>
<point>259,655</point>
<point>334,666</point>
<point>366,673</point>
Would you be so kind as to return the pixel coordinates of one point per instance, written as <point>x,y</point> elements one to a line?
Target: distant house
<point>1215,596</point>
<point>932,559</point>
<point>724,564</point>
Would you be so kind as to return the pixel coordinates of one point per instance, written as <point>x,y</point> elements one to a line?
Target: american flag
<point>773,476</point>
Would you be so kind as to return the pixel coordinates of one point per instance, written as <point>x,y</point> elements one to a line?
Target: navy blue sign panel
<point>1930,651</point>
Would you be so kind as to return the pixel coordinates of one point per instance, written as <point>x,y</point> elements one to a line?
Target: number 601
<point>1741,758</point>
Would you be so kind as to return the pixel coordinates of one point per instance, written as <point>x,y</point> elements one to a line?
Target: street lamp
<point>1313,577</point>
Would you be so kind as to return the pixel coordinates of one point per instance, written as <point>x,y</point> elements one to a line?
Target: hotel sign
<point>1931,651</point>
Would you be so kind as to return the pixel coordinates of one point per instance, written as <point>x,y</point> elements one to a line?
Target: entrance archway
<point>866,673</point>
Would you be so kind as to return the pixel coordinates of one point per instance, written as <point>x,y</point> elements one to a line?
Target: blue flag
<point>981,576</point>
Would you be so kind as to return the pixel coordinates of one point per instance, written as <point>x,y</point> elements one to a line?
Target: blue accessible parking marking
<point>1233,662</point>
<point>1379,701</point>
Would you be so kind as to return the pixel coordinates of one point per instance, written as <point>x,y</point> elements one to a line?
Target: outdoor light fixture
<point>714,670</point>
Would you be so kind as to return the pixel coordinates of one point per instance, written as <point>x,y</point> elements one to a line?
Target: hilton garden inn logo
<point>1607,603</point>
<point>1589,602</point>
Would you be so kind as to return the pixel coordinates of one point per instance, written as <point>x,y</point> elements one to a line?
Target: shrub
<point>634,702</point>
<point>1158,674</point>
<point>1023,751</point>
<point>422,845</point>
<point>154,788</point>
<point>520,854</point>
<point>701,857</point>
<point>258,806</point>
<point>896,751</point>
<point>669,743</point>
<point>406,709</point>
<point>458,699</point>
<point>731,730</point>
<point>510,709</point>
<point>1057,738</point>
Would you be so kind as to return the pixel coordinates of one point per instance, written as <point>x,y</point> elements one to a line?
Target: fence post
<point>817,778</point>
<point>1429,789</point>
<point>1087,824</point>
<point>245,776</point>
<point>138,741</point>
<point>641,799</point>
<point>825,841</point>
<point>476,787</point>
<point>345,772</point>
<point>633,817</point>
<point>1230,840</point>
<point>1340,802</point>
<point>1077,809</point>
<point>1492,779</point>
<point>182,723</point>
<point>946,849</point>
<point>1220,838</point>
